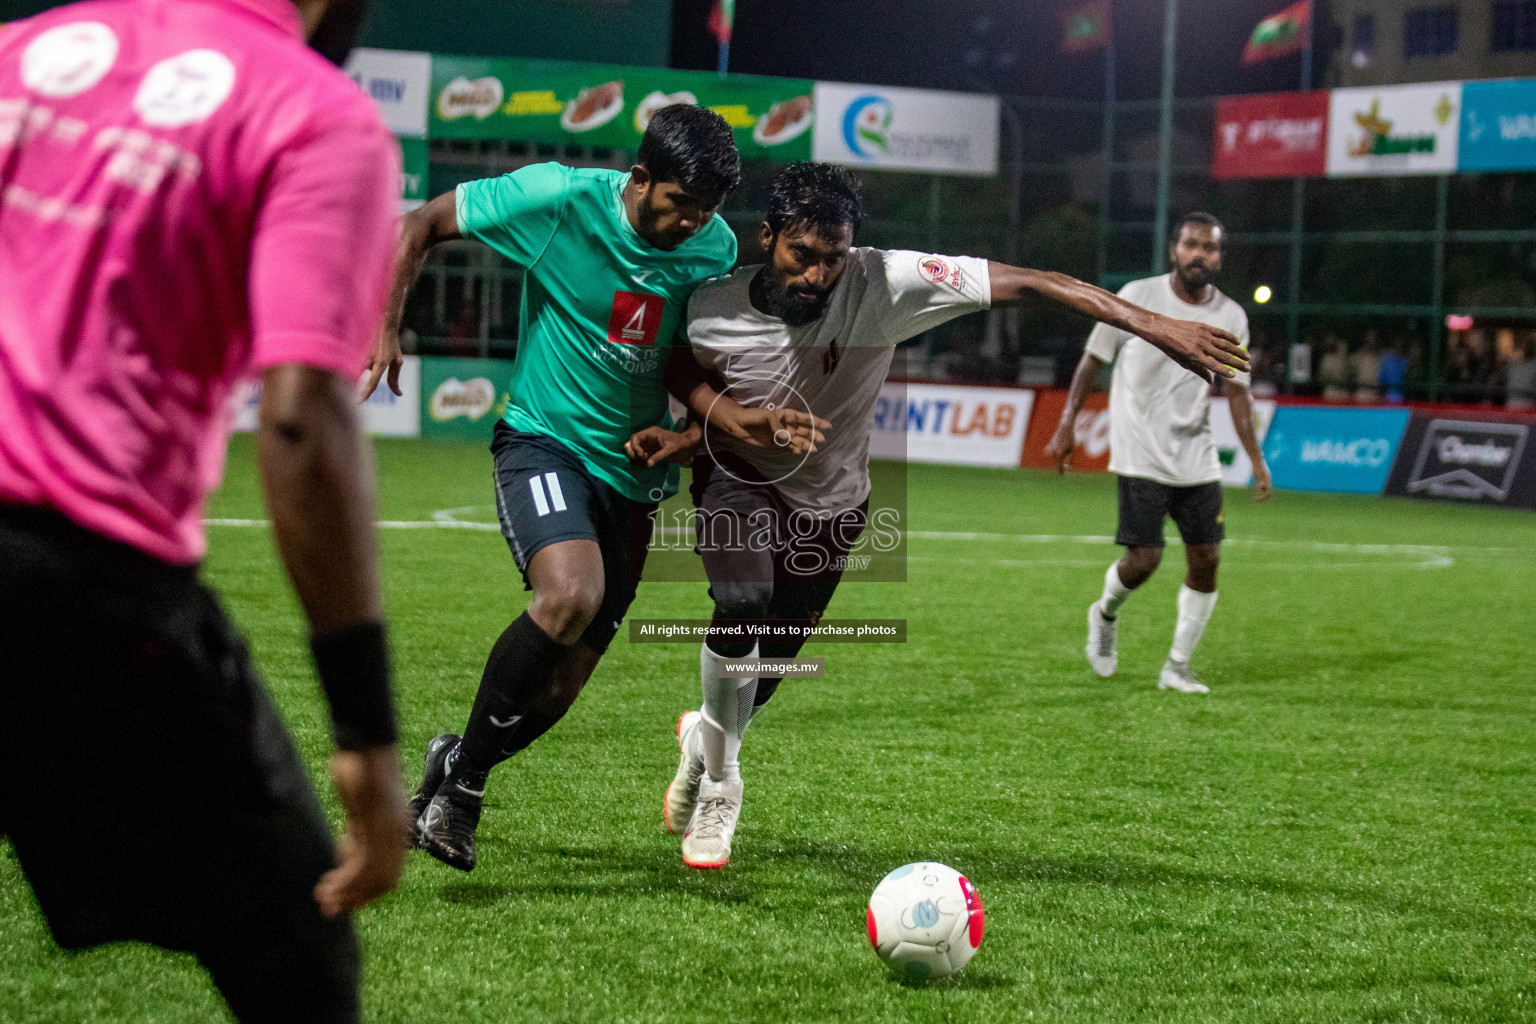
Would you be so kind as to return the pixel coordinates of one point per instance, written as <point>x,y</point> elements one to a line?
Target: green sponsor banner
<point>558,103</point>
<point>462,398</point>
<point>414,161</point>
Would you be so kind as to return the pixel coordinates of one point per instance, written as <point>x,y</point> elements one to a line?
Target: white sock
<point>1194,612</point>
<point>727,710</point>
<point>1115,592</point>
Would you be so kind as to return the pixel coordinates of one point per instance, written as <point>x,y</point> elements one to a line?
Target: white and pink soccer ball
<point>925,921</point>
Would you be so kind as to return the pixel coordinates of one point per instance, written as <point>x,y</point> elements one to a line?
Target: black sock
<point>766,688</point>
<point>519,668</point>
<point>726,648</point>
<point>774,649</point>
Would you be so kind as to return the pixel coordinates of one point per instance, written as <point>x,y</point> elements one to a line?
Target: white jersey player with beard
<point>832,367</point>
<point>1162,450</point>
<point>813,329</point>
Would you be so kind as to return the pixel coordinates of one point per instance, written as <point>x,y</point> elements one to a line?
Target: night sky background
<point>1009,46</point>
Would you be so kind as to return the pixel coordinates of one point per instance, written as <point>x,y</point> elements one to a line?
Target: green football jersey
<point>601,309</point>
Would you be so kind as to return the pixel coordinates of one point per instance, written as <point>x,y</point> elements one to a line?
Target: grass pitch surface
<point>1340,831</point>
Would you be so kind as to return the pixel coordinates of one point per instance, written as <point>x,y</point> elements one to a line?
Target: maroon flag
<point>722,19</point>
<point>1086,27</point>
<point>1280,34</point>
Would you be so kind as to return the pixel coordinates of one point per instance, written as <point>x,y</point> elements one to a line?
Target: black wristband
<point>353,665</point>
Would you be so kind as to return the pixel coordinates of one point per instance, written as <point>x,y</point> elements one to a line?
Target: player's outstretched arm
<point>1199,348</point>
<point>317,472</point>
<point>1065,438</point>
<point>1242,419</point>
<point>420,230</point>
<point>795,429</point>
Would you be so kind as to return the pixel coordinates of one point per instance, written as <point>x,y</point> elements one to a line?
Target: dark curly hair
<point>694,147</point>
<point>815,195</point>
<point>1199,217</point>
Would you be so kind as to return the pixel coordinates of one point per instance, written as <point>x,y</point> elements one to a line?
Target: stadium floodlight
<point>1263,293</point>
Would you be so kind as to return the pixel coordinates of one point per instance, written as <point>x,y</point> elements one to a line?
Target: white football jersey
<point>1159,412</point>
<point>832,367</point>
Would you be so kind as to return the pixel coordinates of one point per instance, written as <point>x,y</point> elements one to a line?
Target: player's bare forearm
<point>1083,379</point>
<point>692,385</point>
<point>317,473</point>
<point>421,229</point>
<point>1241,402</point>
<point>1063,440</point>
<point>1199,348</point>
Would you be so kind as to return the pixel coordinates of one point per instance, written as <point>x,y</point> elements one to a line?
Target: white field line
<point>385,524</point>
<point>1421,556</point>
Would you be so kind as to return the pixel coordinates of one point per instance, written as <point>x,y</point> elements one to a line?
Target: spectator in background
<point>1367,368</point>
<point>1393,373</point>
<point>1418,367</point>
<point>1268,367</point>
<point>1520,381</point>
<point>1333,370</point>
<point>1470,376</point>
<point>464,332</point>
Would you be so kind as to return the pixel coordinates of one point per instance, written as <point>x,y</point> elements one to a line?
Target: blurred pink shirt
<point>188,195</point>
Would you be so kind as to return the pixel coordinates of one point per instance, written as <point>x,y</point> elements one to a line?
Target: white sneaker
<point>683,791</point>
<point>707,843</point>
<point>1178,677</point>
<point>1101,642</point>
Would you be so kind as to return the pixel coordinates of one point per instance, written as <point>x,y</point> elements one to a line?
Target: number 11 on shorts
<point>556,496</point>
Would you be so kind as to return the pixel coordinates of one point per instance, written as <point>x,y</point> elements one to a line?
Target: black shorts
<point>1144,504</point>
<point>147,784</point>
<point>801,557</point>
<point>545,494</point>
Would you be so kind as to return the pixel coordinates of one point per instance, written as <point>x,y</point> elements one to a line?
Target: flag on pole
<point>1086,27</point>
<point>722,18</point>
<point>1280,34</point>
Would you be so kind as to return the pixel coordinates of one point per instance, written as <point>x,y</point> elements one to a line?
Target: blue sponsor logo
<point>925,914</point>
<point>867,126</point>
<point>1498,126</point>
<point>1342,450</point>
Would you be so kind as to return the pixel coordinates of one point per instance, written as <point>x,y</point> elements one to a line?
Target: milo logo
<point>464,98</point>
<point>471,399</point>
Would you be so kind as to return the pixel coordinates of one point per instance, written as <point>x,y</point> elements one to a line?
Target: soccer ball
<point>925,921</point>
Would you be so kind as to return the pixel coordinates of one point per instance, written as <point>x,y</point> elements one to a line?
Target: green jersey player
<point>611,259</point>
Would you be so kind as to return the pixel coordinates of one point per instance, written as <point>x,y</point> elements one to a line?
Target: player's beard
<point>646,215</point>
<point>1196,277</point>
<point>796,307</point>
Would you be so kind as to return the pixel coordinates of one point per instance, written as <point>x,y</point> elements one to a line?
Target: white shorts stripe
<point>537,487</point>
<point>556,497</point>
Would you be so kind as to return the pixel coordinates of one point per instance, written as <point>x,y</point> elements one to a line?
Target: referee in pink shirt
<point>187,195</point>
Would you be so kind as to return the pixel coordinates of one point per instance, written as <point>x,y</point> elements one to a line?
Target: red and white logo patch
<point>933,268</point>
<point>941,271</point>
<point>636,318</point>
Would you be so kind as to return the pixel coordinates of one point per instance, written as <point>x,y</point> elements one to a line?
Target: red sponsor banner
<point>1275,135</point>
<point>1092,452</point>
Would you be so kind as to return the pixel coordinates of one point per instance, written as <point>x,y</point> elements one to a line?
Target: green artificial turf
<point>1341,831</point>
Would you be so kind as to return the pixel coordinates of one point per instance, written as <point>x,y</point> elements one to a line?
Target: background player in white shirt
<point>1161,448</point>
<point>814,330</point>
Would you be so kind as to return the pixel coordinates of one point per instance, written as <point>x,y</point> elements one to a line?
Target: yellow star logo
<point>1444,109</point>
